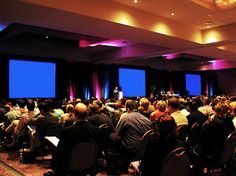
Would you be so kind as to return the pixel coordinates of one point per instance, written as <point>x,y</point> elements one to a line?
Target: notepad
<point>53,139</point>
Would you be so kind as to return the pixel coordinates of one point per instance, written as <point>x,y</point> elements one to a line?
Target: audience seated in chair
<point>160,107</point>
<point>81,130</point>
<point>41,124</point>
<point>157,146</point>
<point>196,115</point>
<point>214,134</point>
<point>174,111</point>
<point>98,118</point>
<point>68,118</point>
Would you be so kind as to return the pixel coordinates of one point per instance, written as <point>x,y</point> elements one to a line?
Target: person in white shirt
<point>173,109</point>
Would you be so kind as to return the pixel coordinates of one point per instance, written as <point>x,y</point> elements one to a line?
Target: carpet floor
<point>10,165</point>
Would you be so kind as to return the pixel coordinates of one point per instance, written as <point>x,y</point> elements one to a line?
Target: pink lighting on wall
<point>71,92</point>
<point>218,64</point>
<point>96,87</point>
<point>83,43</point>
<point>114,43</point>
<point>171,90</point>
<point>170,56</point>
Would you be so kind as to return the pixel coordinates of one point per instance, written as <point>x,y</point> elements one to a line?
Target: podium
<point>120,95</point>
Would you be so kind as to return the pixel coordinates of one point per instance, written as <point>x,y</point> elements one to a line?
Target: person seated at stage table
<point>79,131</point>
<point>155,148</point>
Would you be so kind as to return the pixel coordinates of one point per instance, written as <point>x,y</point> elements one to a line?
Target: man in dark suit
<point>81,130</point>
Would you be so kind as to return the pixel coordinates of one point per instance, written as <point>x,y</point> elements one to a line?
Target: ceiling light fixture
<point>216,4</point>
<point>135,1</point>
<point>208,24</point>
<point>225,3</point>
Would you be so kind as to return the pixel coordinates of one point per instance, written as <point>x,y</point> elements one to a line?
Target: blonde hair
<point>144,102</point>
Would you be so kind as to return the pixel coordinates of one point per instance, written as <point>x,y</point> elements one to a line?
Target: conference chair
<point>176,163</point>
<point>193,135</point>
<point>223,165</point>
<point>83,158</point>
<point>182,133</point>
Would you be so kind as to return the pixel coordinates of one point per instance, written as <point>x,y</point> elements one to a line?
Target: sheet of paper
<point>53,139</point>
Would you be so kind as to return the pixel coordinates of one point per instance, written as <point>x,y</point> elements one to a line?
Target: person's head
<point>165,126</point>
<point>20,103</point>
<point>144,102</point>
<point>70,108</point>
<point>44,107</point>
<point>223,110</point>
<point>233,106</point>
<point>78,100</point>
<point>161,106</point>
<point>131,105</point>
<point>173,105</point>
<point>81,111</point>
<point>99,103</point>
<point>93,108</point>
<point>30,104</point>
<point>196,103</point>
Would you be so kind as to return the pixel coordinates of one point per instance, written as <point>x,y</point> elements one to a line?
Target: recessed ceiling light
<point>172,14</point>
<point>135,1</point>
<point>47,36</point>
<point>208,23</point>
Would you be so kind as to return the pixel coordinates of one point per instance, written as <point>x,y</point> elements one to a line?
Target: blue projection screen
<point>32,79</point>
<point>132,82</point>
<point>193,84</point>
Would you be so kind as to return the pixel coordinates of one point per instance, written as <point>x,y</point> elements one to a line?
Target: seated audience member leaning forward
<point>80,130</point>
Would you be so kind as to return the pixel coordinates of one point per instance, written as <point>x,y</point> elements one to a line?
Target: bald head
<point>81,111</point>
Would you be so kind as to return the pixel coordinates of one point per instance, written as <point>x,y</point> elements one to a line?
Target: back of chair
<point>54,130</point>
<point>148,133</point>
<point>182,132</point>
<point>176,163</point>
<point>106,130</point>
<point>193,135</point>
<point>228,150</point>
<point>83,158</point>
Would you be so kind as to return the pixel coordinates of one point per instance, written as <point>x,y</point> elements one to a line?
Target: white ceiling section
<point>148,29</point>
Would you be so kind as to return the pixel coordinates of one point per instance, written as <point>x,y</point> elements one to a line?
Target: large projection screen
<point>132,82</point>
<point>32,79</point>
<point>193,84</point>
